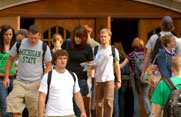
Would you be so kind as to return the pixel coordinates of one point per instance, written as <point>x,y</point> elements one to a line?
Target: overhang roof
<point>11,3</point>
<point>174,5</point>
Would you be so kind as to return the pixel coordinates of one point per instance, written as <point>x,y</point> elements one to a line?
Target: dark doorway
<point>124,30</point>
<point>26,23</point>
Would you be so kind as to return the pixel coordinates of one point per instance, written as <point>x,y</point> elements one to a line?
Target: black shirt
<point>77,56</point>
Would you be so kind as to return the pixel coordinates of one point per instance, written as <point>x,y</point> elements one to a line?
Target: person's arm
<point>92,71</point>
<point>41,104</point>
<point>146,62</point>
<point>9,63</point>
<point>156,109</point>
<point>123,64</point>
<point>79,101</point>
<point>118,74</point>
<point>48,67</point>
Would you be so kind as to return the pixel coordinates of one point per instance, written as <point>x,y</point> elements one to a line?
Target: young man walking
<point>30,72</point>
<point>104,75</point>
<point>163,92</point>
<point>63,87</point>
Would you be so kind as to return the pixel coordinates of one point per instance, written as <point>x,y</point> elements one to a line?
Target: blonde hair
<point>176,63</point>
<point>138,44</point>
<point>57,37</point>
<point>120,49</point>
<point>105,30</point>
<point>166,39</point>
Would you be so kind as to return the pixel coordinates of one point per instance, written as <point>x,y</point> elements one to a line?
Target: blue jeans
<point>3,94</point>
<point>136,85</point>
<point>119,106</point>
<point>84,91</point>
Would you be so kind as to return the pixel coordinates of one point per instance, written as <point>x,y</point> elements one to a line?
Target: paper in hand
<point>88,66</point>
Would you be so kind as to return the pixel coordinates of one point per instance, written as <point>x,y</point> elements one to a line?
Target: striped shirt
<point>132,60</point>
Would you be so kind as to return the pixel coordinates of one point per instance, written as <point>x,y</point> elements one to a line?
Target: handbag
<point>152,75</point>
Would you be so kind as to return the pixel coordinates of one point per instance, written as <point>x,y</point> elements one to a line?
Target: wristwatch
<point>119,81</point>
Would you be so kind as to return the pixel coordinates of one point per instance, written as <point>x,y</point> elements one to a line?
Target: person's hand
<point>94,66</point>
<point>141,78</point>
<point>83,114</point>
<point>6,82</point>
<point>39,83</point>
<point>118,85</point>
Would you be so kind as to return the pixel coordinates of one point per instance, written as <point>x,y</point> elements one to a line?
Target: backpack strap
<point>67,43</point>
<point>95,50</point>
<point>170,84</point>
<point>113,53</point>
<point>157,45</point>
<point>18,44</point>
<point>135,55</point>
<point>72,76</point>
<point>48,85</point>
<point>44,47</point>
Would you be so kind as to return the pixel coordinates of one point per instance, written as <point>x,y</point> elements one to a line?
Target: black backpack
<point>112,49</point>
<point>44,47</point>
<point>49,81</point>
<point>158,45</point>
<point>173,105</point>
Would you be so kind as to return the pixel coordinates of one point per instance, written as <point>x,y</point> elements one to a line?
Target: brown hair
<point>121,51</point>
<point>138,44</point>
<point>176,63</point>
<point>34,29</point>
<point>59,53</point>
<point>4,29</point>
<point>80,32</point>
<point>166,39</point>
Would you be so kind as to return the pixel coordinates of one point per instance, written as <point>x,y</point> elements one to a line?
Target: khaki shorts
<point>23,94</point>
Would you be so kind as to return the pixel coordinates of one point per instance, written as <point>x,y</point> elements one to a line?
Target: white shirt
<point>60,102</point>
<point>104,71</point>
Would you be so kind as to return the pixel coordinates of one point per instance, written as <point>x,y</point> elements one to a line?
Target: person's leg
<point>145,90</point>
<point>84,91</point>
<point>3,95</point>
<point>108,98</point>
<point>99,99</point>
<point>116,102</point>
<point>15,100</point>
<point>136,97</point>
<point>16,115</point>
<point>31,98</point>
<point>121,97</point>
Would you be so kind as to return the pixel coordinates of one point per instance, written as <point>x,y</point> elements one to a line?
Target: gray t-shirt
<point>30,60</point>
<point>151,42</point>
<point>104,71</point>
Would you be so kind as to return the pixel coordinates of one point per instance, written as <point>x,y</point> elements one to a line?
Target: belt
<point>2,77</point>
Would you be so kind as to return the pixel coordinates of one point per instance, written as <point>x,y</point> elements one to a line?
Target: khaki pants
<point>104,99</point>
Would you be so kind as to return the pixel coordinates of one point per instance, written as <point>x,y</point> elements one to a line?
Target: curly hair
<point>138,44</point>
